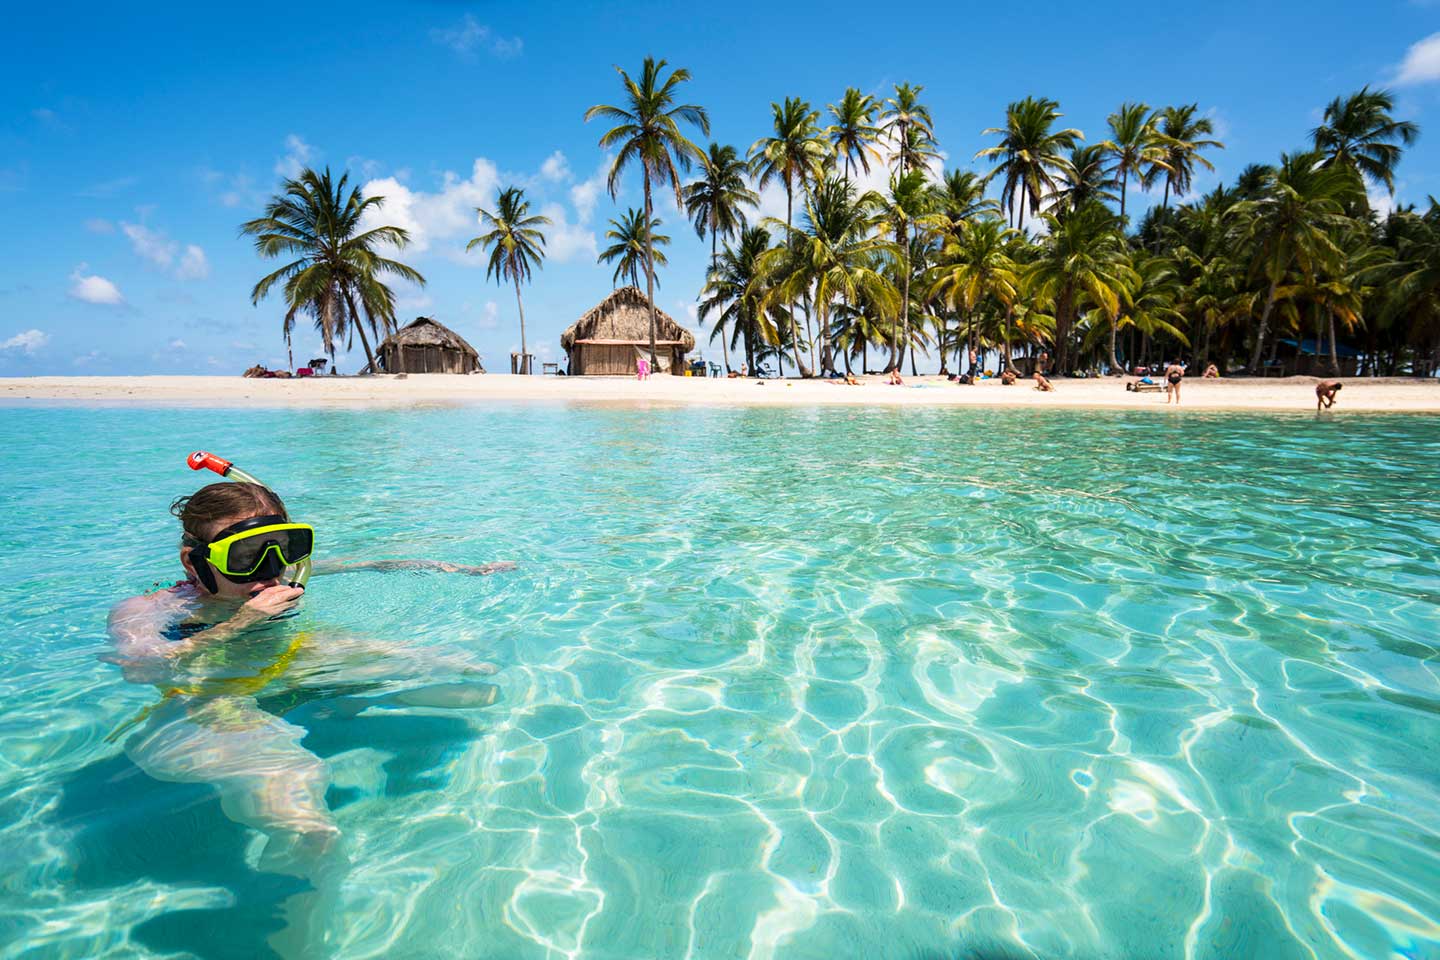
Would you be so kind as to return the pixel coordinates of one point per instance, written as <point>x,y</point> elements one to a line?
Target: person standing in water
<point>1325,392</point>
<point>1173,375</point>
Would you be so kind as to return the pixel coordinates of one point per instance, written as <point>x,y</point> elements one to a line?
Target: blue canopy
<point>1309,346</point>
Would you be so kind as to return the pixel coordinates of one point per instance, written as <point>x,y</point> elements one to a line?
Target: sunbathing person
<point>1212,372</point>
<point>1042,384</point>
<point>1008,378</point>
<point>1325,392</point>
<point>895,380</point>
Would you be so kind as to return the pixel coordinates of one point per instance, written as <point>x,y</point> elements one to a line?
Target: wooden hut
<point>607,340</point>
<point>427,346</point>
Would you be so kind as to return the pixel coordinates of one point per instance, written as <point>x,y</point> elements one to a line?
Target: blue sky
<point>135,139</point>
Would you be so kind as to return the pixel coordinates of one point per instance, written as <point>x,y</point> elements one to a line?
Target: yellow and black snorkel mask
<point>253,550</point>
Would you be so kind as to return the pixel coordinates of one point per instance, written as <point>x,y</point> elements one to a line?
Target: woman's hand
<point>270,602</point>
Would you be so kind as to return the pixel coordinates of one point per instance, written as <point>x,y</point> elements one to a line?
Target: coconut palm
<point>905,206</point>
<point>515,242</point>
<point>734,298</point>
<point>1029,153</point>
<point>1358,132</point>
<point>906,121</point>
<point>792,154</point>
<point>336,274</point>
<point>648,134</point>
<point>1083,265</point>
<point>1292,226</point>
<point>1084,176</point>
<point>1135,146</point>
<point>853,134</point>
<point>634,246</point>
<point>1184,136</point>
<point>958,198</point>
<point>976,267</point>
<point>717,201</point>
<point>834,255</point>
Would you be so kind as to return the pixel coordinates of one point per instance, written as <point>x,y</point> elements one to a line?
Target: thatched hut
<point>607,339</point>
<point>426,346</point>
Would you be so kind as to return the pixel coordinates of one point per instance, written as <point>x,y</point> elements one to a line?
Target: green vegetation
<point>516,245</point>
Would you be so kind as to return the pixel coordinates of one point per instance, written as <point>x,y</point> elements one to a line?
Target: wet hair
<point>200,512</point>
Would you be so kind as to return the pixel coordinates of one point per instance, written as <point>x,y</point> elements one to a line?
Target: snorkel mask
<point>253,550</point>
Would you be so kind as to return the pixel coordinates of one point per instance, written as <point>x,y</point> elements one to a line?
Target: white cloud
<point>297,157</point>
<point>85,359</point>
<point>491,318</point>
<point>555,167</point>
<point>585,194</point>
<point>417,301</point>
<point>157,248</point>
<point>429,217</point>
<point>1380,200</point>
<point>1421,63</point>
<point>150,245</point>
<point>93,289</point>
<point>98,225</point>
<point>470,35</point>
<point>176,344</point>
<point>193,265</point>
<point>27,342</point>
<point>564,240</point>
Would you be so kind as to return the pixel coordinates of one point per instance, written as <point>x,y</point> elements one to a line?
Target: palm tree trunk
<point>1115,370</point>
<point>864,354</point>
<point>524,353</point>
<point>1254,364</point>
<point>714,263</point>
<point>359,324</point>
<point>790,309</point>
<point>904,301</point>
<point>1334,351</point>
<point>650,276</point>
<point>1124,181</point>
<point>1005,336</point>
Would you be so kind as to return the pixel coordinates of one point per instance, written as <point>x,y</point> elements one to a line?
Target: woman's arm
<point>326,567</point>
<point>137,628</point>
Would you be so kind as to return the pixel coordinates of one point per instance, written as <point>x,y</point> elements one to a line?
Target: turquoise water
<point>791,684</point>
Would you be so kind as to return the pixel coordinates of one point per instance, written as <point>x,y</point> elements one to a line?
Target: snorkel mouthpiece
<point>294,575</point>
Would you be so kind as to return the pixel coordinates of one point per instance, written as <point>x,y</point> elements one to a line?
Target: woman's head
<point>211,509</point>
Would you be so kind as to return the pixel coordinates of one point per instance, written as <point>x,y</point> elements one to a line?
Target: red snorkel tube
<point>295,575</point>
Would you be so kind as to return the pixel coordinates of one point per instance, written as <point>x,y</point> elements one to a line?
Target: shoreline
<point>1291,394</point>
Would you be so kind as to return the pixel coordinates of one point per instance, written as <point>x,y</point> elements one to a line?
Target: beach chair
<point>763,370</point>
<point>549,369</point>
<point>714,369</point>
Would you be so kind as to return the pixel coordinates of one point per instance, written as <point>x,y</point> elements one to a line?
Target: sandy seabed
<point>1395,395</point>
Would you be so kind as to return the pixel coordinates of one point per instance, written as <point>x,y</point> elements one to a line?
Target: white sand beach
<point>1397,395</point>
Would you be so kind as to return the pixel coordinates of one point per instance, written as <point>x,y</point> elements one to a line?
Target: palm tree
<point>958,198</point>
<point>907,122</point>
<point>336,273</point>
<point>906,204</point>
<point>1359,133</point>
<point>1134,146</point>
<point>735,298</point>
<point>635,246</point>
<point>1029,153</point>
<point>648,134</point>
<point>853,134</point>
<point>1184,136</point>
<point>516,245</point>
<point>977,267</point>
<point>1084,177</point>
<point>1291,225</point>
<point>717,201</point>
<point>835,255</point>
<point>792,154</point>
<point>1083,265</point>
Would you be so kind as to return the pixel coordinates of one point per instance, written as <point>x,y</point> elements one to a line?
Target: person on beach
<point>1173,375</point>
<point>1008,378</point>
<point>1042,384</point>
<point>1212,372</point>
<point>212,646</point>
<point>894,379</point>
<point>1325,392</point>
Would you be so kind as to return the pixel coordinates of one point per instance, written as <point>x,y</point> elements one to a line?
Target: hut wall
<point>604,360</point>
<point>425,359</point>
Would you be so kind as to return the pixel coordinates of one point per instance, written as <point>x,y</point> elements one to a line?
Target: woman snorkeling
<point>212,645</point>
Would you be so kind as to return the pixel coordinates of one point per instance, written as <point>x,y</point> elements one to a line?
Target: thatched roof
<point>425,332</point>
<point>624,317</point>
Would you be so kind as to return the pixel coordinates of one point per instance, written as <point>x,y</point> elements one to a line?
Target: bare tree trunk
<point>524,353</point>
<point>790,310</point>
<point>1005,336</point>
<point>1115,370</point>
<point>1254,364</point>
<point>714,264</point>
<point>357,323</point>
<point>649,279</point>
<point>1334,351</point>
<point>904,301</point>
